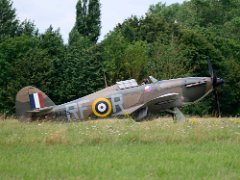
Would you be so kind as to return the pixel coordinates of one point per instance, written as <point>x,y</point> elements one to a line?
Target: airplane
<point>125,98</point>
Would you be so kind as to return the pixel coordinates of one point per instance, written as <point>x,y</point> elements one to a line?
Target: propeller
<point>215,82</point>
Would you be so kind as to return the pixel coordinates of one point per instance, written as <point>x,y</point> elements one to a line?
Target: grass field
<point>121,149</point>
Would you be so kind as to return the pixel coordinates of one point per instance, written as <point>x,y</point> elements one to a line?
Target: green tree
<point>135,59</point>
<point>27,28</point>
<point>167,62</point>
<point>51,42</point>
<point>180,38</point>
<point>88,23</point>
<point>8,21</point>
<point>82,73</point>
<point>30,60</point>
<point>114,47</point>
<point>230,94</point>
<point>83,62</point>
<point>12,50</point>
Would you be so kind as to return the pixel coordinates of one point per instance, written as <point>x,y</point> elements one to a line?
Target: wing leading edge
<point>164,99</point>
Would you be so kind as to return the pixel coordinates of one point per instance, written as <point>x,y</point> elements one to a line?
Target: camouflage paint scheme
<point>138,101</point>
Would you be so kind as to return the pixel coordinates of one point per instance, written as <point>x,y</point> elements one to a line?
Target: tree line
<point>168,42</point>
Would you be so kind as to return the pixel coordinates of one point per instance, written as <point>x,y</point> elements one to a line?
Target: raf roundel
<point>148,88</point>
<point>102,107</point>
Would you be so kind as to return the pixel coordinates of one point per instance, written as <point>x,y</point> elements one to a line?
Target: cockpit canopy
<point>132,83</point>
<point>127,84</point>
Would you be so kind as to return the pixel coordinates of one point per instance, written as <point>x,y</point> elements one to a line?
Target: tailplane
<point>30,100</point>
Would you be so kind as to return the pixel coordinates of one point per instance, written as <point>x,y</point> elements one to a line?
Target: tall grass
<point>122,149</point>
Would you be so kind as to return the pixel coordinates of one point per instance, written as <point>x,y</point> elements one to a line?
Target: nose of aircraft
<point>213,83</point>
<point>219,82</point>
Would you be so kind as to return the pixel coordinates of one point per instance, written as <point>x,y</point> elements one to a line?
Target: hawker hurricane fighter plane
<point>123,98</point>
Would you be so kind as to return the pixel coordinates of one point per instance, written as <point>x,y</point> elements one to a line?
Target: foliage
<point>113,50</point>
<point>29,60</point>
<point>8,21</point>
<point>88,22</point>
<point>82,67</point>
<point>135,59</point>
<point>179,39</point>
<point>82,71</point>
<point>168,42</point>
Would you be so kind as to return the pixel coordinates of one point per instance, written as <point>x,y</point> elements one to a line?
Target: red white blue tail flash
<point>36,100</point>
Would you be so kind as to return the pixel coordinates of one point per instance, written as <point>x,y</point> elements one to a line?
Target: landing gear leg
<point>177,115</point>
<point>141,114</point>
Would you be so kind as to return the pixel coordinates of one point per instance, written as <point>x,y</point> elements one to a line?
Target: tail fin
<point>29,99</point>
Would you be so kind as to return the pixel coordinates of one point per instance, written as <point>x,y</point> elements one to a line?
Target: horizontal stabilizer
<point>41,111</point>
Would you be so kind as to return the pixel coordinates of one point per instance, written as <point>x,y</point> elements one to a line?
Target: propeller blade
<point>212,74</point>
<point>218,113</point>
<point>210,68</point>
<point>215,82</point>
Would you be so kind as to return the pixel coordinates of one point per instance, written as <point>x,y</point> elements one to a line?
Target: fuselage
<point>189,90</point>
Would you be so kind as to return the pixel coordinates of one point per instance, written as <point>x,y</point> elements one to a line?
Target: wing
<point>160,101</point>
<point>164,99</point>
<point>129,110</point>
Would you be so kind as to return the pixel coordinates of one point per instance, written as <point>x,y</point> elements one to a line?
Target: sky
<point>62,13</point>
